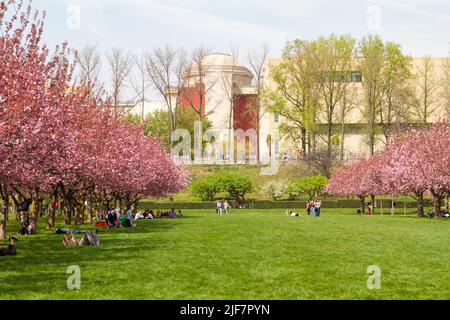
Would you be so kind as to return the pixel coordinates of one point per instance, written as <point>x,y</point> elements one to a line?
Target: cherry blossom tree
<point>59,140</point>
<point>414,164</point>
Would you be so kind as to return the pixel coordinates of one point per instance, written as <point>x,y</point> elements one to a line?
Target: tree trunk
<point>90,210</point>
<point>14,210</point>
<point>258,151</point>
<point>372,201</point>
<point>3,216</point>
<point>343,127</point>
<point>419,200</point>
<point>437,205</point>
<point>35,210</point>
<point>381,205</point>
<point>304,141</point>
<point>79,219</point>
<point>51,211</point>
<point>341,156</point>
<point>362,203</point>
<point>68,212</point>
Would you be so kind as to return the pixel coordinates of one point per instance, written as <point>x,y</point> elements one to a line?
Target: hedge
<point>267,204</point>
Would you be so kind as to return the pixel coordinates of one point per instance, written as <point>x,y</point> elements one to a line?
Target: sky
<point>420,26</point>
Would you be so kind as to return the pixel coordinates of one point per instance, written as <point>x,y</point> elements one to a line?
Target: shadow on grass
<point>42,260</point>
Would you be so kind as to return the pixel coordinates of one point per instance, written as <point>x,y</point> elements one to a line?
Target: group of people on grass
<point>444,213</point>
<point>312,209</point>
<point>149,214</point>
<point>222,207</point>
<point>115,218</point>
<point>89,238</point>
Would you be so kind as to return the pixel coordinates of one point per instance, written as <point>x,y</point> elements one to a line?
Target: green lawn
<point>246,255</point>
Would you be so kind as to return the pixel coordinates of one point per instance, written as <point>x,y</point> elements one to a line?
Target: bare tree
<point>333,59</point>
<point>139,82</point>
<point>120,65</point>
<point>295,94</point>
<point>397,92</point>
<point>88,62</point>
<point>347,105</point>
<point>230,87</point>
<point>165,68</point>
<point>446,86</point>
<point>428,87</point>
<point>198,86</point>
<point>322,160</point>
<point>371,64</point>
<point>257,62</point>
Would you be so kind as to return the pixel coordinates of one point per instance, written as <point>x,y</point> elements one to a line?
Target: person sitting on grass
<point>172,213</point>
<point>26,229</point>
<point>111,218</point>
<point>139,216</point>
<point>129,218</point>
<point>180,214</point>
<point>10,250</point>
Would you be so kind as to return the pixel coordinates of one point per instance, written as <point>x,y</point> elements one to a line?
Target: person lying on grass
<point>292,214</point>
<point>89,239</point>
<point>10,250</point>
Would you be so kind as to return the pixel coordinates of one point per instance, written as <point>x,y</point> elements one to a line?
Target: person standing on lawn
<point>226,207</point>
<point>317,205</point>
<point>219,207</point>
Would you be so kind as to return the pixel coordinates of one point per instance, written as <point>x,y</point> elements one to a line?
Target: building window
<point>277,148</point>
<point>356,76</point>
<point>277,118</point>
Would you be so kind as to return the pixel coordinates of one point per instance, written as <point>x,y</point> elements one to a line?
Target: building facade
<point>229,97</point>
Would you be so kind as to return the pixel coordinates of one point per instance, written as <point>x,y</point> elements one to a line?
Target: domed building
<point>221,89</point>
<point>226,90</point>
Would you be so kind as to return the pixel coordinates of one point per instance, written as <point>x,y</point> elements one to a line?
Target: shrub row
<point>266,204</point>
<point>237,186</point>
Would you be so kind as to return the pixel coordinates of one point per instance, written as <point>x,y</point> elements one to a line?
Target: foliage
<point>237,186</point>
<point>412,164</point>
<point>132,118</point>
<point>312,186</point>
<point>208,187</point>
<point>56,138</point>
<point>158,124</point>
<point>275,188</point>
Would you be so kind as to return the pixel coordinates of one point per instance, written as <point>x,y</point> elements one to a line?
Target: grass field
<point>246,255</point>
